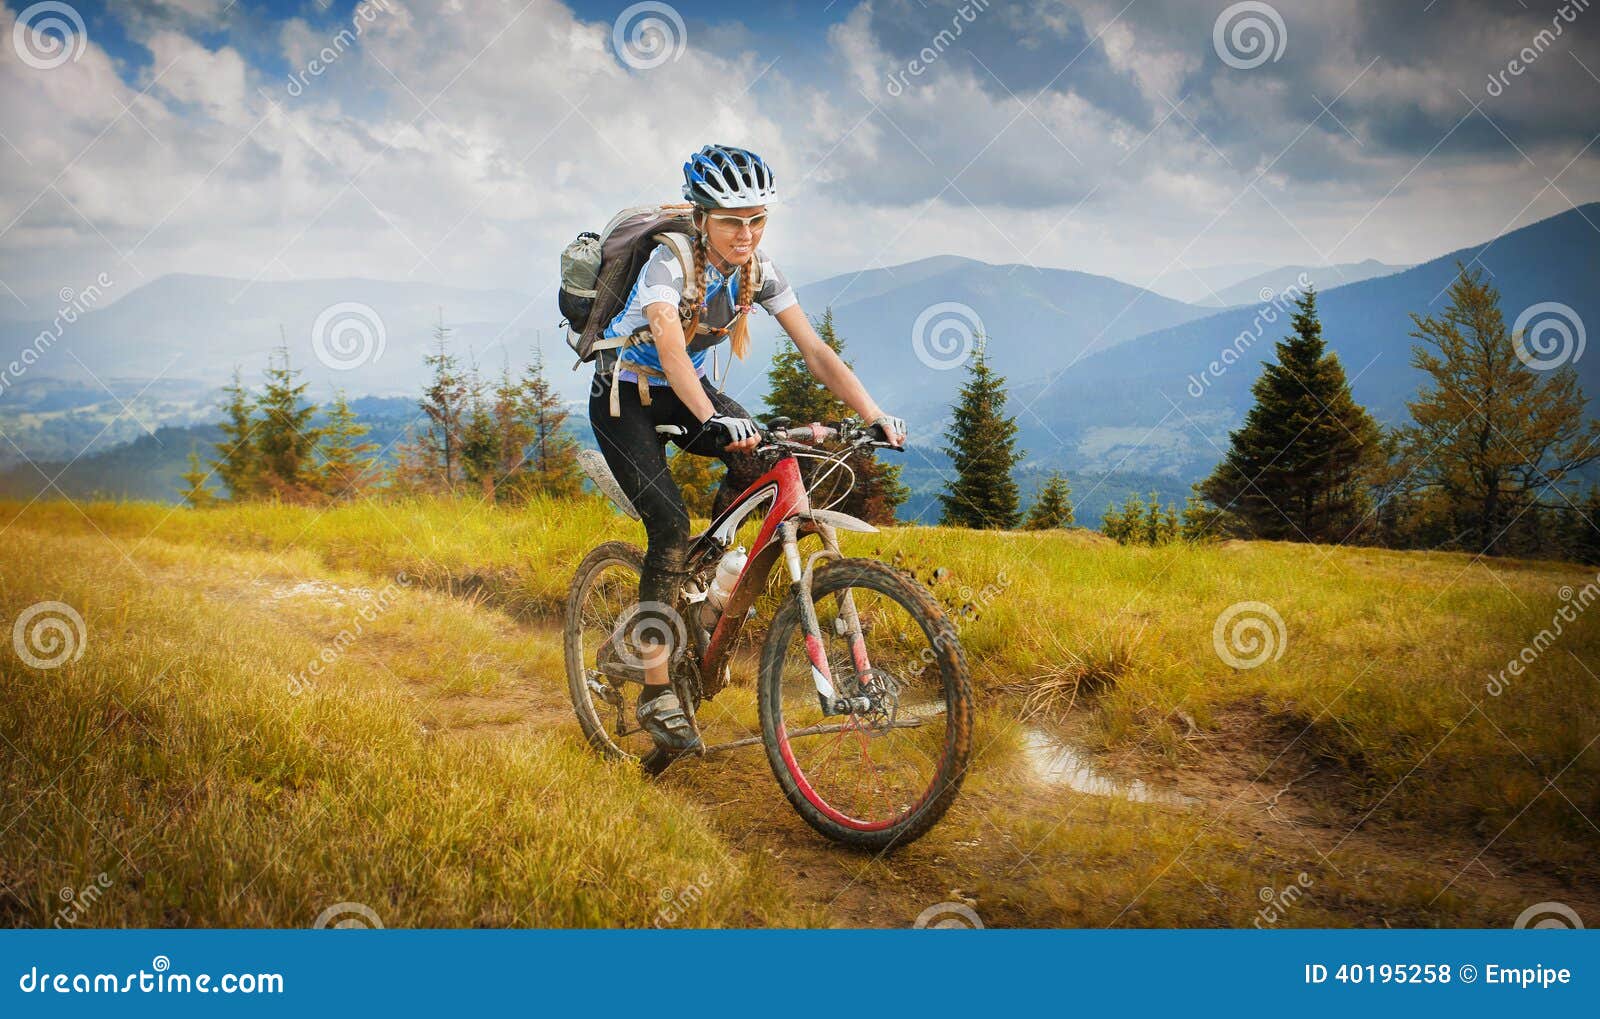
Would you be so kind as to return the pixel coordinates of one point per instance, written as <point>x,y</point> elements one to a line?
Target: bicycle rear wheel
<point>878,778</point>
<point>604,590</point>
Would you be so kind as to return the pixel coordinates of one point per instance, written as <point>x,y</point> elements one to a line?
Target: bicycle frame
<point>789,517</point>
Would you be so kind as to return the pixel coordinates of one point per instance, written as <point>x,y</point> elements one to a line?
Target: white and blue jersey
<point>661,282</point>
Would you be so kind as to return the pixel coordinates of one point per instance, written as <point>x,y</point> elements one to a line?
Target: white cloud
<point>466,145</point>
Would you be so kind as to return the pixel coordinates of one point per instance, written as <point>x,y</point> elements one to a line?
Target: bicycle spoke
<point>875,769</point>
<point>610,593</point>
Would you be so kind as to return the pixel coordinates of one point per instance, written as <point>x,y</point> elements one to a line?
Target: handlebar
<point>848,431</point>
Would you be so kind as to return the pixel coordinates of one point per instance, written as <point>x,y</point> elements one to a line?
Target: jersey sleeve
<point>661,280</point>
<point>776,293</point>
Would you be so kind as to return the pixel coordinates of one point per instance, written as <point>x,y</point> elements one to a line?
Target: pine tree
<point>479,442</point>
<point>1053,508</point>
<point>196,494</point>
<point>512,435</point>
<point>236,464</point>
<point>436,457</point>
<point>285,438</point>
<point>1126,523</point>
<point>793,392</point>
<point>983,450</point>
<point>1491,436</point>
<point>414,472</point>
<point>1583,536</point>
<point>1141,521</point>
<point>1114,524</point>
<point>797,394</point>
<point>552,449</point>
<point>1299,466</point>
<point>347,462</point>
<point>1202,521</point>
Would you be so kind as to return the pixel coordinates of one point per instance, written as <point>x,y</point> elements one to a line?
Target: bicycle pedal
<point>604,691</point>
<point>657,761</point>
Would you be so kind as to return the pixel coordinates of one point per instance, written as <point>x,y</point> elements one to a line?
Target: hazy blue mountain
<point>199,327</point>
<point>58,419</point>
<point>1196,286</point>
<point>1109,382</point>
<point>148,467</point>
<point>1265,286</point>
<point>1155,404</point>
<point>1035,320</point>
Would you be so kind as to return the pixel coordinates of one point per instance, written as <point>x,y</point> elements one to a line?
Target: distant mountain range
<point>373,334</point>
<point>1156,404</point>
<point>906,328</point>
<point>1263,286</point>
<point>1197,285</point>
<point>1100,371</point>
<point>1230,285</point>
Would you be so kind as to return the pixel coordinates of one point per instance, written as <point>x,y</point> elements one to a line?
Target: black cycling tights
<point>637,456</point>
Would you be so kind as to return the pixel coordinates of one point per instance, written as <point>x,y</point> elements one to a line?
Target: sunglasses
<point>754,222</point>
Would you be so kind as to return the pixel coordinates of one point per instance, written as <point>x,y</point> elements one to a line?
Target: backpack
<point>598,270</point>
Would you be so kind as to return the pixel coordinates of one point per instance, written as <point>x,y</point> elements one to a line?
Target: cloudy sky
<point>464,141</point>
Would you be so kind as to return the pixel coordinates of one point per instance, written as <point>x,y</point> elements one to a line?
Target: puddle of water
<point>1060,763</point>
<point>325,590</point>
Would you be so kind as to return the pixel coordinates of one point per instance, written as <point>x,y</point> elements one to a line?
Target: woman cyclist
<point>730,189</point>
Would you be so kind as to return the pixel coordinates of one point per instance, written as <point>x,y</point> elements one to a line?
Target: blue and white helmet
<point>725,177</point>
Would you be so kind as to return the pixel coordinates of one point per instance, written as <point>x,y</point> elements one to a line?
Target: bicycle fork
<point>828,697</point>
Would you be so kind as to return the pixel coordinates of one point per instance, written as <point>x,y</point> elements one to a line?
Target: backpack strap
<point>641,372</point>
<point>683,247</point>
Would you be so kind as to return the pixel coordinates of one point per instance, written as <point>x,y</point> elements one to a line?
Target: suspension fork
<point>800,578</point>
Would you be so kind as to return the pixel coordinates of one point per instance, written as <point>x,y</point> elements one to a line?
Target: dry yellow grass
<point>1382,679</point>
<point>184,754</point>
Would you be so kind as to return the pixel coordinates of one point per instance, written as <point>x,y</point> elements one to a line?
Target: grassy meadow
<point>431,769</point>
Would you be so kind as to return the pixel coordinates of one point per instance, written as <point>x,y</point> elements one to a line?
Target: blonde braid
<point>695,292</point>
<point>750,287</point>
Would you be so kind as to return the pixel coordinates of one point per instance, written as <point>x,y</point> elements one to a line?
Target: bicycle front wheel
<point>881,776</point>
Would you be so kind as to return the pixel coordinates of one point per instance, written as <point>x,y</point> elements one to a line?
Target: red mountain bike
<point>863,695</point>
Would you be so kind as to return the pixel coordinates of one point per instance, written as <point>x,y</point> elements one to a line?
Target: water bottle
<point>728,569</point>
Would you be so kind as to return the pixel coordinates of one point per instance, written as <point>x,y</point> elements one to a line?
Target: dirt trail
<point>1264,802</point>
